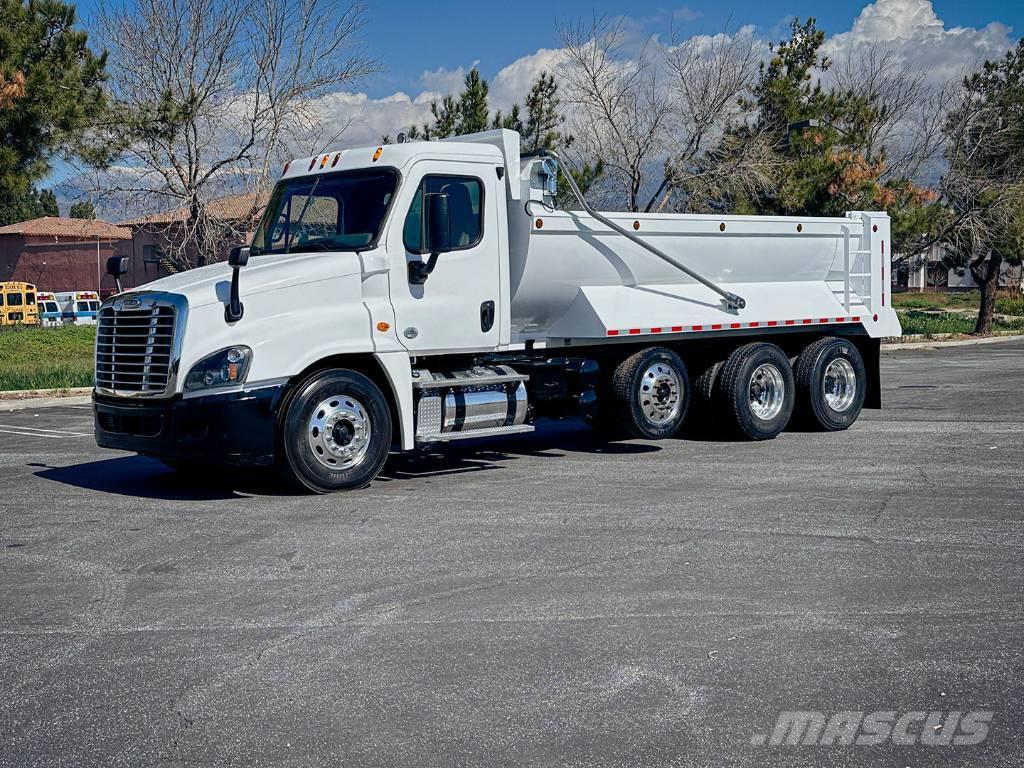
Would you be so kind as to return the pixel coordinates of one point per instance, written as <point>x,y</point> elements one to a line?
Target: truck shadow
<point>142,477</point>
<point>551,440</point>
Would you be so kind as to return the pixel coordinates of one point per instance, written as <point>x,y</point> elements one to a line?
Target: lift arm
<point>731,299</point>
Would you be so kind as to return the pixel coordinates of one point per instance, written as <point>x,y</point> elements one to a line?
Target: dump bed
<point>578,279</point>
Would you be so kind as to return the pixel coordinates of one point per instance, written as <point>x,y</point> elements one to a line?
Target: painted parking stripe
<point>25,433</point>
<point>38,429</point>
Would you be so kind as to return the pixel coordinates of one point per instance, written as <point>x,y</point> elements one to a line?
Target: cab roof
<point>498,146</point>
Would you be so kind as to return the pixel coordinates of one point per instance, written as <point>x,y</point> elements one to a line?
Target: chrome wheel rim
<point>661,393</point>
<point>338,432</point>
<point>839,385</point>
<point>767,392</point>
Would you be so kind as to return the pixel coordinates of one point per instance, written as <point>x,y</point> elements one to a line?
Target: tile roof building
<point>58,254</point>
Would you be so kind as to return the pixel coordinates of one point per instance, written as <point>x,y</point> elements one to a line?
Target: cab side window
<point>465,206</point>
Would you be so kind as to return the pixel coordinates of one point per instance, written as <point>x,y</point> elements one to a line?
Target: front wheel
<point>336,432</point>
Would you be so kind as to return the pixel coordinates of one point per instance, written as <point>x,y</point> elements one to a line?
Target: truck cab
<point>422,292</point>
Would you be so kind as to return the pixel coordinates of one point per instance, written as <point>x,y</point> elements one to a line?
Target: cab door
<point>455,308</point>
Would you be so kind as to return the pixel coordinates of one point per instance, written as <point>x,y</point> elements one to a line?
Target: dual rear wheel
<point>754,392</point>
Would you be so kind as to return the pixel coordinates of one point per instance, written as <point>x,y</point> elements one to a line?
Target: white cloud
<point>913,31</point>
<point>911,28</point>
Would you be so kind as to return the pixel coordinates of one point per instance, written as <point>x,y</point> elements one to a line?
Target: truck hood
<point>211,284</point>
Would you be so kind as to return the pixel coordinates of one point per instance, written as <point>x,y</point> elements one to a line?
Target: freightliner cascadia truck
<point>429,291</point>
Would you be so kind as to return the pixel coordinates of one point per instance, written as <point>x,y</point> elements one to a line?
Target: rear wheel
<point>651,393</point>
<point>756,389</point>
<point>831,383</point>
<point>336,432</point>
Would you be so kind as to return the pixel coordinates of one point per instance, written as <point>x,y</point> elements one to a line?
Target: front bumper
<point>236,428</point>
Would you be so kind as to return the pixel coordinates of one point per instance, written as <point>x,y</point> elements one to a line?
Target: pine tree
<point>473,112</point>
<point>512,121</point>
<point>83,210</point>
<point>48,203</point>
<point>542,117</point>
<point>446,119</point>
<point>50,91</point>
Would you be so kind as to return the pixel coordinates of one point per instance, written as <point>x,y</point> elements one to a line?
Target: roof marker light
<point>337,157</point>
<point>323,162</point>
<point>377,154</point>
<point>311,164</point>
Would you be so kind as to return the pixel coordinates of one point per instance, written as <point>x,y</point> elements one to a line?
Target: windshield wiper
<point>302,215</point>
<point>312,246</point>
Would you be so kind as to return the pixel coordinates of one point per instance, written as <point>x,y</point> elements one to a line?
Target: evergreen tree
<point>542,116</point>
<point>50,91</point>
<point>512,121</point>
<point>48,203</point>
<point>473,111</point>
<point>83,210</point>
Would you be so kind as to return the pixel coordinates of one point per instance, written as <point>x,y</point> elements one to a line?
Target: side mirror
<point>117,266</point>
<point>437,235</point>
<point>238,256</point>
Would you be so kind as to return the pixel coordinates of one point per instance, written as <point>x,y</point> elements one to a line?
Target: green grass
<point>46,358</point>
<point>1006,303</point>
<point>915,321</point>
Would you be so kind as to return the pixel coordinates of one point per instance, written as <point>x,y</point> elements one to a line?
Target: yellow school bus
<point>18,304</point>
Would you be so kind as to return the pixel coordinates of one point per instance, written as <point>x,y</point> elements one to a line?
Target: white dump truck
<point>424,292</point>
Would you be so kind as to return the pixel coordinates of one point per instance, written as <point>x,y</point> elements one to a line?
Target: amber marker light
<point>383,327</point>
<point>377,154</point>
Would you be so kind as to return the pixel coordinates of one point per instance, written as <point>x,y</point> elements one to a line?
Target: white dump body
<point>576,278</point>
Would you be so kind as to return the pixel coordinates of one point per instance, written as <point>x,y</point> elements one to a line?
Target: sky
<point>417,37</point>
<point>425,47</point>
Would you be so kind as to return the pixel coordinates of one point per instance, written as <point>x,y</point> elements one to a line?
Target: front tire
<point>831,383</point>
<point>651,393</point>
<point>755,387</point>
<point>336,432</point>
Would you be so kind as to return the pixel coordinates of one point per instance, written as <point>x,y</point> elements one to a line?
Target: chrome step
<point>479,376</point>
<point>447,437</point>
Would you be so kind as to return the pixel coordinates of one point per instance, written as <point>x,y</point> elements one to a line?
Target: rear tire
<point>831,383</point>
<point>336,432</point>
<point>651,393</point>
<point>756,390</point>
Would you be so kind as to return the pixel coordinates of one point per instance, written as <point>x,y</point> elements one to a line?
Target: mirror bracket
<point>234,309</point>
<point>420,270</point>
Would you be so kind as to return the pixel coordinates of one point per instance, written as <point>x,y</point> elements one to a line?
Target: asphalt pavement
<point>545,600</point>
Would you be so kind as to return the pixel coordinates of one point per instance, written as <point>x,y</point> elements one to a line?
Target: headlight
<point>225,368</point>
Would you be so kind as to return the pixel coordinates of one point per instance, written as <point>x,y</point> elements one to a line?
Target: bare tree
<point>902,109</point>
<point>708,77</point>
<point>209,95</point>
<point>984,185</point>
<point>617,107</point>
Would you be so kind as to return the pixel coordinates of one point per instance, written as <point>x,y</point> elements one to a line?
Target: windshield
<point>333,212</point>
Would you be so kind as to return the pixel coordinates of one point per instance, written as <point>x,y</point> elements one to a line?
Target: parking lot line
<point>32,432</point>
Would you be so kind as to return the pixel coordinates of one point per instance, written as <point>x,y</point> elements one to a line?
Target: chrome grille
<point>134,349</point>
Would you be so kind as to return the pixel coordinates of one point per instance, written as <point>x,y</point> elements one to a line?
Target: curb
<point>34,394</point>
<point>936,343</point>
<point>42,402</point>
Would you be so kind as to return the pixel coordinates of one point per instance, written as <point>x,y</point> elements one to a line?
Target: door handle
<point>486,316</point>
